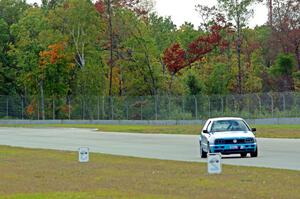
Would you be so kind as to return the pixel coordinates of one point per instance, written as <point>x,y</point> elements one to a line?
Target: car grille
<point>234,141</point>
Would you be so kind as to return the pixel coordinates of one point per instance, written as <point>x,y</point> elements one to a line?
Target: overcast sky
<point>184,10</point>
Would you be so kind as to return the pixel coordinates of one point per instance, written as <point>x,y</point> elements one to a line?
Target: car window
<point>228,125</point>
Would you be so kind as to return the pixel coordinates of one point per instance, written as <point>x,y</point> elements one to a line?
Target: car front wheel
<point>243,155</point>
<point>254,154</point>
<point>202,153</point>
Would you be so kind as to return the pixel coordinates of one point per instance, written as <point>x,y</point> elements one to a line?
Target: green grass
<point>264,131</point>
<point>81,195</point>
<point>49,174</point>
<point>278,131</point>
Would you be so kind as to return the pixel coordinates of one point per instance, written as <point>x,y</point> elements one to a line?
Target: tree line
<point>65,48</point>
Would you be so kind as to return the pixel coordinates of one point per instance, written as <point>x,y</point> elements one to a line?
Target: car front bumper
<point>233,148</point>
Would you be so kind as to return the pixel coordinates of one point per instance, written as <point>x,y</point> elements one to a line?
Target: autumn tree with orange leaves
<point>55,69</point>
<point>116,47</point>
<point>54,73</point>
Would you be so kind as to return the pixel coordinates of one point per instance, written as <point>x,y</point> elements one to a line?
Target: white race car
<point>227,136</point>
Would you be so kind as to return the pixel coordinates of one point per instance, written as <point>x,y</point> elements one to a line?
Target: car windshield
<point>228,125</point>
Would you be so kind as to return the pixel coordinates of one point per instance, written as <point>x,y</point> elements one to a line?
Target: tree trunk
<point>239,65</point>
<point>111,64</point>
<point>239,54</point>
<point>121,82</point>
<point>171,82</point>
<point>163,67</point>
<point>148,63</point>
<point>109,11</point>
<point>154,88</point>
<point>288,84</point>
<point>271,13</point>
<point>42,99</point>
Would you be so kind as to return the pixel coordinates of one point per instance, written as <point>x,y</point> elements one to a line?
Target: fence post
<point>296,104</point>
<point>82,108</point>
<point>112,107</point>
<point>182,104</point>
<point>272,104</point>
<point>103,109</point>
<point>209,113</point>
<point>283,101</point>
<point>226,97</point>
<point>127,109</point>
<point>182,101</point>
<point>233,104</point>
<point>22,104</point>
<point>38,109</point>
<point>169,107</point>
<point>259,103</point>
<point>155,104</point>
<point>7,107</point>
<point>249,112</point>
<point>222,104</point>
<point>196,107</point>
<point>141,108</point>
<point>69,107</point>
<point>98,107</point>
<point>53,109</point>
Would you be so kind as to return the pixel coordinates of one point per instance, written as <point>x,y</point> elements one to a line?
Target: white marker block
<point>83,154</point>
<point>214,164</point>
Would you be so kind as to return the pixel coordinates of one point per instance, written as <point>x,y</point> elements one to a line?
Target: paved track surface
<point>273,153</point>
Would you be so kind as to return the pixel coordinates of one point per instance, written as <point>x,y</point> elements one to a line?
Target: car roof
<point>225,118</point>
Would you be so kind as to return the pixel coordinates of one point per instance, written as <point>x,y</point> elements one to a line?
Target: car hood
<point>231,134</point>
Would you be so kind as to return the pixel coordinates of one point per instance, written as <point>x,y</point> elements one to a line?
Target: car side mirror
<point>205,131</point>
<point>253,129</point>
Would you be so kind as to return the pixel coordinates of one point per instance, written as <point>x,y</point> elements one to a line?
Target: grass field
<point>48,174</point>
<point>265,131</point>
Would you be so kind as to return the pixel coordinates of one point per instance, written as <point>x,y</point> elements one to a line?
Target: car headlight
<point>249,140</point>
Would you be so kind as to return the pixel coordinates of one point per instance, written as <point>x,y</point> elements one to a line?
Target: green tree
<point>143,60</point>
<point>194,85</point>
<point>283,69</point>
<point>4,68</point>
<point>238,11</point>
<point>51,4</point>
<point>82,28</point>
<point>186,34</point>
<point>163,30</point>
<point>268,51</point>
<point>12,10</point>
<point>27,48</point>
<point>218,81</point>
<point>10,13</point>
<point>78,21</point>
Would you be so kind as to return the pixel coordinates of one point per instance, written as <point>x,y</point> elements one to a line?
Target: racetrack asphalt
<point>273,153</point>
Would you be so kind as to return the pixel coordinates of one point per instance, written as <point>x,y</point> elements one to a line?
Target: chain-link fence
<point>251,106</point>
